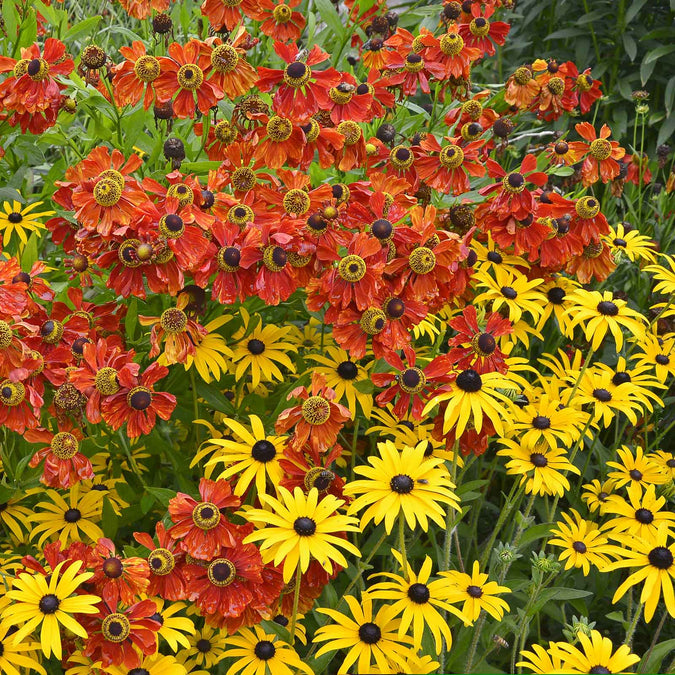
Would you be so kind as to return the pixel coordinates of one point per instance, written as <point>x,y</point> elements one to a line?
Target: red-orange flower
<point>134,75</point>
<point>278,20</point>
<point>317,420</point>
<point>201,528</point>
<point>447,169</point>
<point>603,154</point>
<point>184,75</point>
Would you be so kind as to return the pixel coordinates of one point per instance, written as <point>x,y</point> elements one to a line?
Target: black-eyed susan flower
<point>174,630</point>
<point>470,398</point>
<point>298,528</point>
<point>260,350</point>
<point>558,293</point>
<point>655,559</point>
<point>640,515</point>
<point>664,275</point>
<point>582,542</point>
<point>343,376</point>
<point>19,655</point>
<point>600,312</point>
<point>155,664</point>
<point>402,482</point>
<point>22,220</point>
<point>638,468</point>
<point>511,290</point>
<point>417,600</point>
<point>596,655</point>
<point>68,521</point>
<point>50,603</point>
<point>659,353</point>
<point>257,651</point>
<point>595,495</point>
<point>13,513</point>
<point>209,357</point>
<point>412,663</point>
<point>372,639</point>
<point>631,244</point>
<point>665,461</point>
<point>207,649</point>
<point>252,454</point>
<point>547,421</point>
<point>541,661</point>
<point>476,592</point>
<point>641,377</point>
<point>540,468</point>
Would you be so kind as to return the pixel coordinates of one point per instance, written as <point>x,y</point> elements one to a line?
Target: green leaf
<point>633,10</point>
<point>657,53</point>
<point>83,27</point>
<point>646,70</point>
<point>669,95</point>
<point>162,495</point>
<point>667,130</point>
<point>131,319</point>
<point>30,252</point>
<point>656,656</point>
<point>364,386</point>
<point>330,16</point>
<point>109,519</point>
<point>565,33</point>
<point>200,167</point>
<point>562,171</point>
<point>630,46</point>
<point>147,502</point>
<point>214,398</point>
<point>534,533</point>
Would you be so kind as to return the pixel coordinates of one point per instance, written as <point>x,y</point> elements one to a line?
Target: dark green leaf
<point>109,519</point>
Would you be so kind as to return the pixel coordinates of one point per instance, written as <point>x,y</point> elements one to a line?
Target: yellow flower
<point>263,653</point>
<point>655,560</point>
<point>299,528</point>
<point>50,604</point>
<point>596,494</point>
<point>368,637</point>
<point>156,664</point>
<point>659,354</point>
<point>513,291</point>
<point>417,601</point>
<point>252,454</point>
<point>583,543</point>
<point>476,592</point>
<point>631,244</point>
<point>259,350</point>
<point>541,661</point>
<point>210,352</point>
<point>640,469</point>
<point>20,220</point>
<point>540,467</point>
<point>402,482</point>
<point>599,313</point>
<point>558,302</point>
<point>207,648</point>
<point>69,519</point>
<point>17,658</point>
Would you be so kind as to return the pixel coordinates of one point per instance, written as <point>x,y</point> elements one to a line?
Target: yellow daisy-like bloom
<point>640,377</point>
<point>548,421</point>
<point>417,601</point>
<point>476,592</point>
<point>309,338</point>
<point>513,291</point>
<point>369,638</point>
<point>37,602</point>
<point>20,220</point>
<point>665,461</point>
<point>298,527</point>
<point>541,661</point>
<point>344,376</point>
<point>300,630</point>
<point>595,495</point>
<point>540,468</point>
<point>13,513</point>
<point>210,352</point>
<point>470,398</point>
<point>605,399</point>
<point>207,648</point>
<point>658,353</point>
<point>263,653</point>
<point>655,558</point>
<point>18,658</point>
<point>260,350</point>
<point>565,369</point>
<point>69,520</point>
<point>558,295</point>
<point>640,515</point>
<point>402,482</point>
<point>411,665</point>
<point>599,313</point>
<point>631,243</point>
<point>429,327</point>
<point>491,256</point>
<point>79,664</point>
<point>174,629</point>
<point>156,664</point>
<point>639,469</point>
<point>252,453</point>
<point>665,285</point>
<point>583,543</point>
<point>595,655</point>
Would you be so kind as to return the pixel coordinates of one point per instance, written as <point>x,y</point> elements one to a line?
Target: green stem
<point>296,601</point>
<point>401,543</point>
<point>655,639</point>
<point>510,500</point>
<point>474,642</point>
<point>633,625</point>
<point>593,35</point>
